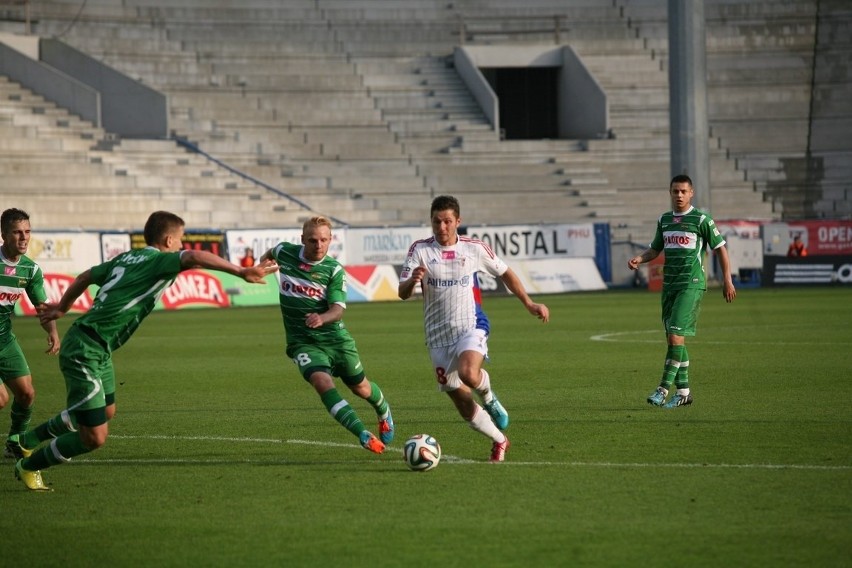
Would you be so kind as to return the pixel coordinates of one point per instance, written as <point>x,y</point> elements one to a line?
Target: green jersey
<point>130,285</point>
<point>682,238</point>
<point>24,276</point>
<point>306,287</point>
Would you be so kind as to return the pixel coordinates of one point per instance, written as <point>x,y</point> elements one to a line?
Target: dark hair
<point>444,202</point>
<point>12,216</point>
<point>682,178</point>
<point>159,224</point>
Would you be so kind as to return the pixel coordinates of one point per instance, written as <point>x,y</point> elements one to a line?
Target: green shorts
<point>680,311</point>
<point>87,367</point>
<point>338,360</point>
<point>13,364</point>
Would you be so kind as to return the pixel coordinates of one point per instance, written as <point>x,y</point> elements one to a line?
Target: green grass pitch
<point>220,455</point>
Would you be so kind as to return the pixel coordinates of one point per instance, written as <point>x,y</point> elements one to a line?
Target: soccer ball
<point>421,452</point>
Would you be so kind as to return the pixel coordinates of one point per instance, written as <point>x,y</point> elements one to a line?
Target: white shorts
<point>445,360</point>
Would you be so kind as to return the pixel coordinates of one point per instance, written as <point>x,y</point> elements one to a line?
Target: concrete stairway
<point>74,175</point>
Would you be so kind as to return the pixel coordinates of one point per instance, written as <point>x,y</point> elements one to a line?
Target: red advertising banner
<point>830,238</point>
<point>820,238</point>
<point>194,288</point>
<point>55,285</point>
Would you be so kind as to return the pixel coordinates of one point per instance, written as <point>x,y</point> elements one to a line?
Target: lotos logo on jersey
<point>9,297</point>
<point>292,287</point>
<point>677,239</point>
<point>195,287</point>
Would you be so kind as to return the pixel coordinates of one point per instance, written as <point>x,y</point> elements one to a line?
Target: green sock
<point>682,378</point>
<point>342,412</point>
<point>674,355</point>
<point>60,424</point>
<point>20,417</point>
<point>59,451</point>
<point>377,400</point>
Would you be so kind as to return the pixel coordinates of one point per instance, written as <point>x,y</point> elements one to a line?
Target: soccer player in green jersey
<point>312,292</point>
<point>683,234</point>
<point>20,276</point>
<point>130,286</point>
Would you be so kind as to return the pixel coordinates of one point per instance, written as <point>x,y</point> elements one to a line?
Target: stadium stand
<point>780,95</point>
<point>353,108</point>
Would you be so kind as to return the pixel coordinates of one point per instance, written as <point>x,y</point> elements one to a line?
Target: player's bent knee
<point>93,439</point>
<point>93,444</point>
<point>26,398</point>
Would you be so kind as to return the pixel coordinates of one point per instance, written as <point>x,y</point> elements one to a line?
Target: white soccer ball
<point>421,452</point>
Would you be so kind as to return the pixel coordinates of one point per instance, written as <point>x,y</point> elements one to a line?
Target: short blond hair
<point>316,221</point>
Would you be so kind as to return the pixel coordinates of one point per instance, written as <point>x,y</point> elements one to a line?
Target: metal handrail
<point>557,27</point>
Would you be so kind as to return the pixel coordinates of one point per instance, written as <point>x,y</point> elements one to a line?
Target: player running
<point>457,329</point>
<point>312,294</point>
<point>130,286</point>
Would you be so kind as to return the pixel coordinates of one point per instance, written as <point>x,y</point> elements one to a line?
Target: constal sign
<point>521,242</point>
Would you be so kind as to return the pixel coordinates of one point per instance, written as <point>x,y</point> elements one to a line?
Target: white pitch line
<point>619,336</point>
<point>614,335</point>
<point>692,465</point>
<point>449,459</point>
<point>198,438</point>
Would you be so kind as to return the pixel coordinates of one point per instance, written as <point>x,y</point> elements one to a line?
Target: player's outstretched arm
<point>513,283</point>
<point>205,259</point>
<point>257,274</point>
<point>49,313</point>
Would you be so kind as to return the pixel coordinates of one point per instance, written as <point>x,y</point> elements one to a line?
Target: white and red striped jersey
<point>452,302</point>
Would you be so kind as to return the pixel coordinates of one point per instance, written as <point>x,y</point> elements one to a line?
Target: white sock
<point>484,388</point>
<point>482,423</point>
<point>683,392</point>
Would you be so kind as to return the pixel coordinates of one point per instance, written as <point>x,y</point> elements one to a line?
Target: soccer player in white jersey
<point>683,234</point>
<point>446,265</point>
